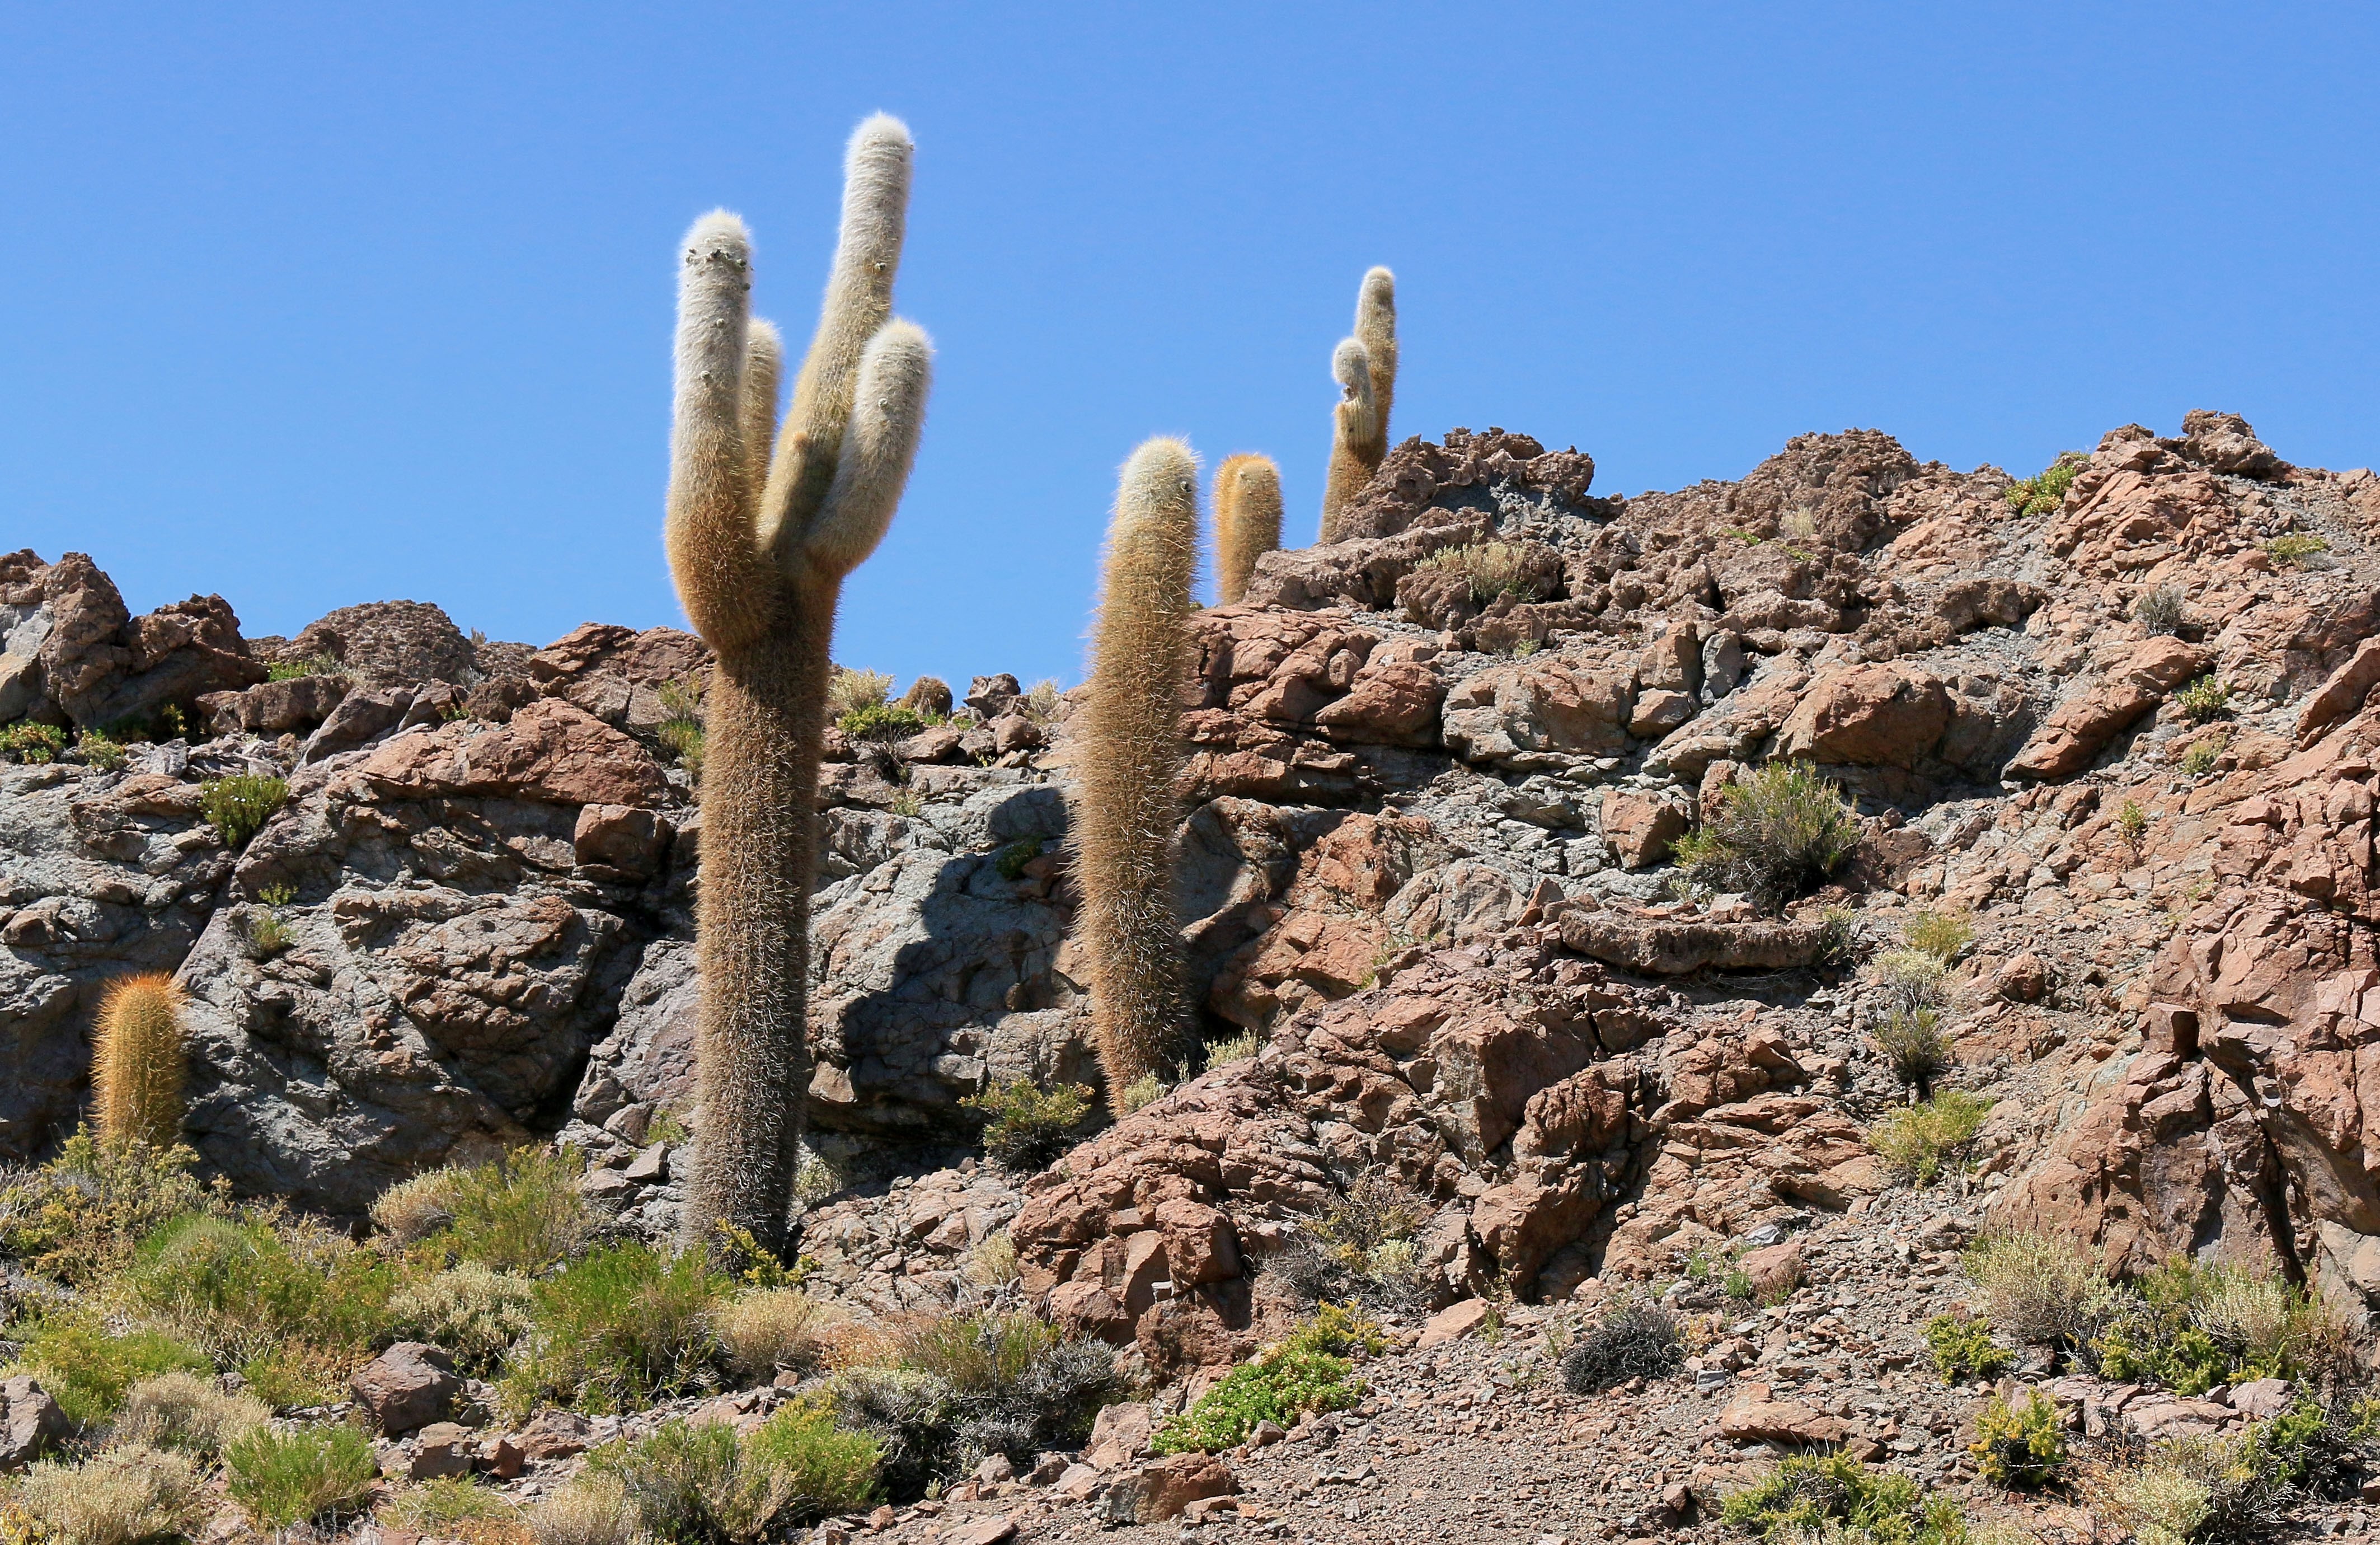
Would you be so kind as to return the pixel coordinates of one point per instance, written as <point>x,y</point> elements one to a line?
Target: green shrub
<point>473,1312</point>
<point>684,739</point>
<point>288,1478</point>
<point>1011,862</point>
<point>2159,611</point>
<point>2037,1289</point>
<point>183,1410</point>
<point>267,1300</point>
<point>2132,821</point>
<point>1308,1373</point>
<point>452,1508</point>
<point>769,1329</point>
<point>121,1497</point>
<point>1836,1497</point>
<point>2021,1447</point>
<point>2046,491</point>
<point>1025,1129</point>
<point>2293,550</point>
<point>592,1509</point>
<point>2207,698</point>
<point>1919,1140</point>
<point>1777,829</point>
<point>707,1486</point>
<point>290,670</point>
<point>2200,760</point>
<point>1636,1338</point>
<point>79,1217</point>
<point>1939,934</point>
<point>522,1214</point>
<point>1912,980</point>
<point>1914,1046</point>
<point>1964,1349</point>
<point>29,742</point>
<point>880,722</point>
<point>622,1329</point>
<point>1492,569</point>
<point>851,691</point>
<point>1140,1094</point>
<point>238,807</point>
<point>1231,1049</point>
<point>89,1368</point>
<point>98,750</point>
<point>2190,1327</point>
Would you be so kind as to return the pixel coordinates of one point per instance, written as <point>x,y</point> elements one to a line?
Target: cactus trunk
<point>138,1062</point>
<point>1365,367</point>
<point>1128,765</point>
<point>1247,521</point>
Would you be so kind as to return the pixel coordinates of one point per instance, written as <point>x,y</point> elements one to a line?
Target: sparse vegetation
<point>1834,1497</point>
<point>1025,1128</point>
<point>2206,699</point>
<point>1042,700</point>
<point>2159,611</point>
<point>78,1219</point>
<point>2297,549</point>
<point>1492,569</point>
<point>619,1330</point>
<point>288,1478</point>
<point>1963,1348</point>
<point>238,807</point>
<point>1922,1140</point>
<point>2021,1446</point>
<point>2038,1290</point>
<point>851,693</point>
<point>769,1329</point>
<point>1912,980</point>
<point>119,1497</point>
<point>2043,491</point>
<point>881,721</point>
<point>593,1509</point>
<point>1361,1247</point>
<point>1141,1094</point>
<point>290,670</point>
<point>89,1368</point>
<point>2132,821</point>
<point>707,1485</point>
<point>98,750</point>
<point>1010,860</point>
<point>452,1508</point>
<point>1308,1373</point>
<point>2203,753</point>
<point>1777,830</point>
<point>30,743</point>
<point>1235,1048</point>
<point>1635,1339</point>
<point>1943,935</point>
<point>1913,1044</point>
<point>681,735</point>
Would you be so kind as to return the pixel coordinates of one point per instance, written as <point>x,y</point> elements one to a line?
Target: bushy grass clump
<point>706,1485</point>
<point>1361,1247</point>
<point>289,1477</point>
<point>593,1509</point>
<point>768,1329</point>
<point>2297,549</point>
<point>1778,831</point>
<point>79,1217</point>
<point>1964,1349</point>
<point>521,1214</point>
<point>475,1313</point>
<point>1834,1497</point>
<point>1312,1372</point>
<point>2158,611</point>
<point>619,1330</point>
<point>1027,1128</point>
<point>88,1368</point>
<point>2043,491</point>
<point>851,691</point>
<point>1914,1046</point>
<point>2191,1326</point>
<point>2038,1289</point>
<point>1940,934</point>
<point>120,1497</point>
<point>1922,1140</point>
<point>238,807</point>
<point>184,1410</point>
<point>451,1507</point>
<point>1491,569</point>
<point>1636,1339</point>
<point>881,721</point>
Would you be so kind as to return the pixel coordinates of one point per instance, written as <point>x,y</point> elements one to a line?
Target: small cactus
<point>1247,521</point>
<point>138,1062</point>
<point>1365,367</point>
<point>1128,762</point>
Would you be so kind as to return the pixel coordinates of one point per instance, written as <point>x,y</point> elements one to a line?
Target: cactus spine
<point>1247,521</point>
<point>1365,367</point>
<point>763,525</point>
<point>138,1062</point>
<point>1129,762</point>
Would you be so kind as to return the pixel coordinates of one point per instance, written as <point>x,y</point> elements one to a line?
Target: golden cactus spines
<point>1247,521</point>
<point>1376,329</point>
<point>1128,762</point>
<point>1351,432</point>
<point>764,523</point>
<point>138,1062</point>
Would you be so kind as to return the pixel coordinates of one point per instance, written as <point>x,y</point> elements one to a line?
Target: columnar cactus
<point>1365,367</point>
<point>1128,760</point>
<point>763,525</point>
<point>138,1062</point>
<point>1247,521</point>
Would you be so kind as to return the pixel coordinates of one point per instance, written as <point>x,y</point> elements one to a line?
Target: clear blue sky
<point>317,304</point>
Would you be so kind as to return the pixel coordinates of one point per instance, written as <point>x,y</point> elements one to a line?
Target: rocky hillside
<point>2112,720</point>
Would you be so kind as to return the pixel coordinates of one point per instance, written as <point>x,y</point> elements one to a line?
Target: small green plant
<point>706,1485</point>
<point>1636,1339</point>
<point>1492,569</point>
<point>1297,1378</point>
<point>454,1507</point>
<point>121,1497</point>
<point>2190,1327</point>
<point>1235,1048</point>
<point>881,721</point>
<point>2296,549</point>
<point>1921,1140</point>
<point>1942,935</point>
<point>1141,1094</point>
<point>1012,860</point>
<point>851,691</point>
<point>284,1478</point>
<point>1836,1497</point>
<point>98,750</point>
<point>1738,1284</point>
<point>1913,1044</point>
<point>31,743</point>
<point>993,1261</point>
<point>1963,1348</point>
<point>2159,611</point>
<point>681,735</point>
<point>1837,937</point>
<point>1777,830</point>
<point>2132,821</point>
<point>238,807</point>
<point>522,1214</point>
<point>2046,491</point>
<point>2203,753</point>
<point>2207,698</point>
<point>78,1219</point>
<point>621,1329</point>
<point>1025,1129</point>
<point>906,805</point>
<point>89,1370</point>
<point>2021,1447</point>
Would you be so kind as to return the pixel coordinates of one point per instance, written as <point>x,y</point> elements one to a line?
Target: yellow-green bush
<point>473,1312</point>
<point>2021,1446</point>
<point>238,807</point>
<point>1920,1140</point>
<point>1964,1349</point>
<point>291,1305</point>
<point>619,1330</point>
<point>705,1485</point>
<point>1836,1498</point>
<point>120,1497</point>
<point>184,1410</point>
<point>1025,1128</point>
<point>2037,1288</point>
<point>80,1216</point>
<point>1777,830</point>
<point>88,1368</point>
<point>294,1477</point>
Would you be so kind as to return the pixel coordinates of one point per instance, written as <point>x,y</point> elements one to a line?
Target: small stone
<point>410,1385</point>
<point>1162,1489</point>
<point>30,1422</point>
<point>442,1449</point>
<point>1454,1322</point>
<point>983,1532</point>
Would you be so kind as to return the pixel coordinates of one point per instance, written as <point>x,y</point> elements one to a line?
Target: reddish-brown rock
<point>551,753</point>
<point>1890,715</point>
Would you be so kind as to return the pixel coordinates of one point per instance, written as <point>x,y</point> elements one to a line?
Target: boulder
<point>1887,715</point>
<point>30,1423</point>
<point>552,752</point>
<point>1676,946</point>
<point>1541,712</point>
<point>1638,829</point>
<point>388,644</point>
<point>271,708</point>
<point>1162,1489</point>
<point>2095,713</point>
<point>410,1385</point>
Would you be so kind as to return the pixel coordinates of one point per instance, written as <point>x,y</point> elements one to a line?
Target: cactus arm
<point>1376,329</point>
<point>764,363</point>
<point>1351,427</point>
<point>888,411</point>
<point>858,303</point>
<point>722,578</point>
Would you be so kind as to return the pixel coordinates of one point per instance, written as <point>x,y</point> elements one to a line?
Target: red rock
<point>1085,1310</point>
<point>1454,1322</point>
<point>273,707</point>
<point>620,841</point>
<point>551,753</point>
<point>412,1384</point>
<point>1887,715</point>
<point>981,1531</point>
<point>1676,946</point>
<point>1775,1271</point>
<point>1779,1421</point>
<point>1198,1242</point>
<point>1639,828</point>
<point>2095,713</point>
<point>1162,1489</point>
<point>30,1422</point>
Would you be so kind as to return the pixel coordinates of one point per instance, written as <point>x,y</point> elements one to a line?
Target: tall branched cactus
<point>1365,367</point>
<point>1247,521</point>
<point>138,1062</point>
<point>1128,762</point>
<point>763,525</point>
